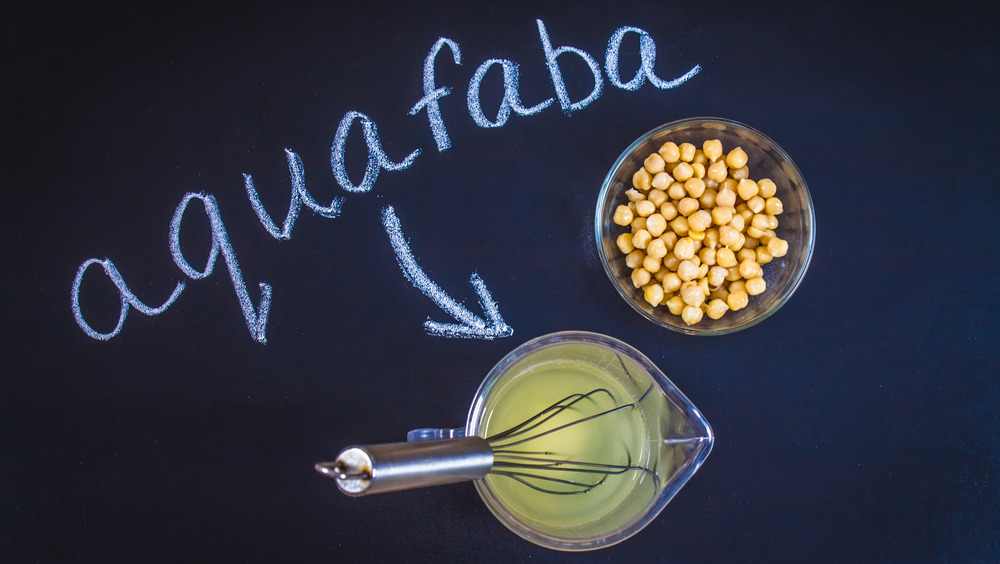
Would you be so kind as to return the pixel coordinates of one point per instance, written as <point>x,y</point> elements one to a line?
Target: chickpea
<point>687,152</point>
<point>736,158</point>
<point>691,314</point>
<point>745,254</point>
<point>656,224</point>
<point>623,216</point>
<point>657,197</point>
<point>641,238</point>
<point>726,197</point>
<point>773,206</point>
<point>687,206</point>
<point>682,172</point>
<point>634,195</point>
<point>675,305</point>
<point>730,183</point>
<point>687,271</point>
<point>711,238</point>
<point>756,286</point>
<point>707,256</point>
<point>763,257</point>
<point>650,264</point>
<point>717,171</point>
<point>669,239</point>
<point>737,286</point>
<point>624,242</point>
<point>777,247</point>
<point>738,245</point>
<point>642,179</point>
<point>656,249</point>
<point>638,223</point>
<point>699,157</point>
<point>653,292</point>
<point>767,187</point>
<point>672,282</point>
<point>712,149</point>
<point>716,309</point>
<point>695,187</point>
<point>707,198</point>
<point>671,261</point>
<point>654,163</point>
<point>722,215</point>
<point>728,235</point>
<point>644,207</point>
<point>720,293</point>
<point>679,225</point>
<point>699,220</point>
<point>634,259</point>
<point>703,279</point>
<point>670,152</point>
<point>739,173</point>
<point>725,257</point>
<point>692,294</point>
<point>747,189</point>
<point>676,191</point>
<point>640,277</point>
<point>668,210</point>
<point>696,236</point>
<point>756,204</point>
<point>684,248</point>
<point>750,269</point>
<point>699,169</point>
<point>717,276</point>
<point>737,300</point>
<point>737,223</point>
<point>661,180</point>
<point>761,222</point>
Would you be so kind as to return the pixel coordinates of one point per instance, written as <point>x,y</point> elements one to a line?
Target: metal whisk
<point>361,470</point>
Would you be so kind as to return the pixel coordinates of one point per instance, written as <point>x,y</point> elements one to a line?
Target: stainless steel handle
<point>368,469</point>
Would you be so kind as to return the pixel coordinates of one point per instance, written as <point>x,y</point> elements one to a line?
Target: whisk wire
<point>530,467</point>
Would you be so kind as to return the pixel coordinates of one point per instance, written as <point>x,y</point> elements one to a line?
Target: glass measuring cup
<point>576,441</point>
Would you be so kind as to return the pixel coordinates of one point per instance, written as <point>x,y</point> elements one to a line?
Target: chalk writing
<point>377,159</point>
<point>647,57</point>
<point>511,97</point>
<point>557,79</point>
<point>127,298</point>
<point>299,197</point>
<point>256,319</point>
<point>469,325</point>
<point>432,94</point>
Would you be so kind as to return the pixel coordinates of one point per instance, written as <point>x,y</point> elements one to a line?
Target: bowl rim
<point>808,211</point>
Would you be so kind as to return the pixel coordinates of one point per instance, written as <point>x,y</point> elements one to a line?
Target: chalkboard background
<point>859,423</point>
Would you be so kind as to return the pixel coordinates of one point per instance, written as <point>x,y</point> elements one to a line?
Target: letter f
<point>433,94</point>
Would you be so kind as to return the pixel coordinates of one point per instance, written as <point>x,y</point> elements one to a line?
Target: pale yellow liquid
<point>630,436</point>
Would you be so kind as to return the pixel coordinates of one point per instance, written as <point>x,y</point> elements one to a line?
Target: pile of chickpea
<point>701,230</point>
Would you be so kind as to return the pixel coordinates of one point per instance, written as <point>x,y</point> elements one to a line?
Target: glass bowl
<point>765,160</point>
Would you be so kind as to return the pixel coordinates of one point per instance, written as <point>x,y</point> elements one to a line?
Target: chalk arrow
<point>469,325</point>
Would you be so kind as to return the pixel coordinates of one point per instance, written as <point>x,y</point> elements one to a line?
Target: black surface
<point>859,423</point>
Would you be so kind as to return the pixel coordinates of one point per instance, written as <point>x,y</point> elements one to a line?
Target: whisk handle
<point>368,469</point>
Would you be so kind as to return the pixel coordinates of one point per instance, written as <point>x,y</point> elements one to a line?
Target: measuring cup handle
<point>428,434</point>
